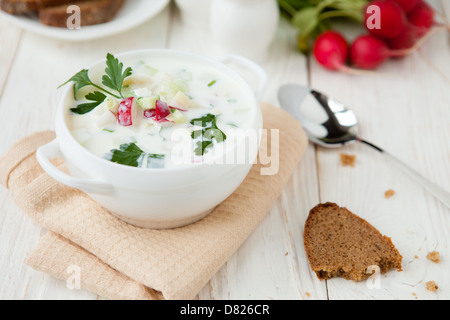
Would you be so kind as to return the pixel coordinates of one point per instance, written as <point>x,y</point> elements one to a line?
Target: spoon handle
<point>431,187</point>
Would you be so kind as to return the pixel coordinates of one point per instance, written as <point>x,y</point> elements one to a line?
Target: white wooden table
<point>406,111</point>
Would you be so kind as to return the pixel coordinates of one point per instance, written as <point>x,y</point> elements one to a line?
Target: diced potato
<point>178,117</point>
<point>135,114</point>
<point>111,104</point>
<point>183,102</point>
<point>137,80</point>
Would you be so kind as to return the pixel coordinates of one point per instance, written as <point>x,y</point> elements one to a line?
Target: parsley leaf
<point>131,155</point>
<point>204,121</point>
<point>207,134</point>
<point>209,128</point>
<point>84,108</point>
<point>202,147</point>
<point>80,80</point>
<point>114,76</point>
<point>156,156</point>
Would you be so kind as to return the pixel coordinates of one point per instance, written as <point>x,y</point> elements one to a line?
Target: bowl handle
<point>53,151</point>
<point>251,66</point>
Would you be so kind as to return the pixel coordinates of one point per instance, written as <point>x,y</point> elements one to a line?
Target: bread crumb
<point>417,257</point>
<point>308,294</point>
<point>431,286</point>
<point>348,160</point>
<point>434,256</point>
<point>389,194</point>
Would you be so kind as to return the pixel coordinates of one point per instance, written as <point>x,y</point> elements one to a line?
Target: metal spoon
<point>330,124</point>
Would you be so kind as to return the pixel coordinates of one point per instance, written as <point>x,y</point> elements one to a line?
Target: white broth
<point>153,117</point>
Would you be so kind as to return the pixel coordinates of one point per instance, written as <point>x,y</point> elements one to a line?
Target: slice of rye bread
<point>341,244</point>
<point>29,6</point>
<point>92,12</point>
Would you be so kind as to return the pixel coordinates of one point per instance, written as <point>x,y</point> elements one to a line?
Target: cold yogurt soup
<point>157,113</point>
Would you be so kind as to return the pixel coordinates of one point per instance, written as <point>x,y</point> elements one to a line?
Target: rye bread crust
<point>29,6</point>
<point>92,12</point>
<point>340,244</point>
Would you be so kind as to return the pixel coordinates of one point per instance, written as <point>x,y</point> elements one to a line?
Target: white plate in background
<point>132,14</point>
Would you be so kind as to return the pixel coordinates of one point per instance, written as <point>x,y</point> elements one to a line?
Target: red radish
<point>407,39</point>
<point>179,109</point>
<point>392,20</point>
<point>408,5</point>
<point>422,17</point>
<point>124,112</point>
<point>369,52</point>
<point>149,113</point>
<point>331,50</point>
<point>161,111</point>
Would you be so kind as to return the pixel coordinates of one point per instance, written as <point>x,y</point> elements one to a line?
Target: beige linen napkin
<point>119,261</point>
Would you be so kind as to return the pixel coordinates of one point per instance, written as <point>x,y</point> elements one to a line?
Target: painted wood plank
<point>9,39</point>
<point>270,264</point>
<point>404,110</point>
<point>446,10</point>
<point>42,64</point>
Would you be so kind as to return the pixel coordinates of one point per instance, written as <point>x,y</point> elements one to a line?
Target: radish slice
<point>179,109</point>
<point>124,112</point>
<point>150,113</point>
<point>161,111</point>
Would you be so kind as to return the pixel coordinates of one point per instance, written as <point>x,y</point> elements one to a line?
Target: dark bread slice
<point>341,244</point>
<point>92,12</point>
<point>29,6</point>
